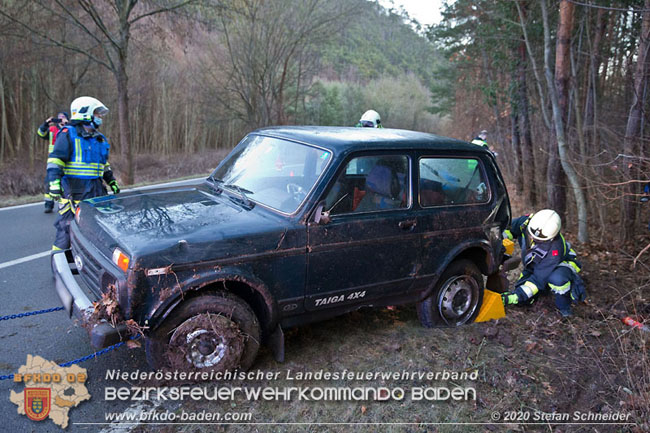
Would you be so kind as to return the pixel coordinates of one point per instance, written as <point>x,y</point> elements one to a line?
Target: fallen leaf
<point>395,347</point>
<point>133,344</point>
<point>548,389</point>
<point>491,332</point>
<point>533,346</point>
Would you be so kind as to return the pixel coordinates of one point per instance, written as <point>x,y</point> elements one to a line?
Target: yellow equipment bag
<point>509,246</point>
<point>492,307</point>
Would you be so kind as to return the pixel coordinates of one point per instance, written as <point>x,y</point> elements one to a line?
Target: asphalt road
<point>28,286</point>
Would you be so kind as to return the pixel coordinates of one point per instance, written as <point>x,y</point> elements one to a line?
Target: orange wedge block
<point>492,307</point>
<point>509,246</point>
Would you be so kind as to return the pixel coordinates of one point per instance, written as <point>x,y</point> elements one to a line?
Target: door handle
<point>407,225</point>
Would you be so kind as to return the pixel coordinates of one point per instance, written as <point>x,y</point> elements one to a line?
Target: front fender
<point>187,282</point>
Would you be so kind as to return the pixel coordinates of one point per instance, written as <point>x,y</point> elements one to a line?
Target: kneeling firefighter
<point>549,262</point>
<point>78,164</point>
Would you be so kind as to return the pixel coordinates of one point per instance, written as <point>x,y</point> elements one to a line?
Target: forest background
<point>559,85</point>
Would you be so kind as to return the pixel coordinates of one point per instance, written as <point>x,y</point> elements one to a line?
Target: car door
<point>370,246</point>
<point>454,197</point>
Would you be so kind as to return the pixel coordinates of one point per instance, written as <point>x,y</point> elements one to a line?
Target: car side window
<point>451,181</point>
<point>369,184</point>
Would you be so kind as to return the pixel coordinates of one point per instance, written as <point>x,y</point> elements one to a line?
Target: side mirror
<point>321,216</point>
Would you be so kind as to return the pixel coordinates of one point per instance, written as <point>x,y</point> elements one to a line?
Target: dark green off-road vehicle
<point>296,225</point>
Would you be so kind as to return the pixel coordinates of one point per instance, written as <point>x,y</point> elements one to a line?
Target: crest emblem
<point>37,403</point>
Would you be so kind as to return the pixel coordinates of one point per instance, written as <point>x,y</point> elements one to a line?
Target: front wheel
<point>456,299</point>
<point>214,332</point>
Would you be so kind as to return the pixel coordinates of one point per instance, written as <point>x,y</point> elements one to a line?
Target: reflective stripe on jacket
<point>80,156</point>
<point>540,259</point>
<point>48,133</point>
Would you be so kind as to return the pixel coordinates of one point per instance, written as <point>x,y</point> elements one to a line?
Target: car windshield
<point>273,172</point>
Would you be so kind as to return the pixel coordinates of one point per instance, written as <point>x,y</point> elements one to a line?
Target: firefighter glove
<point>114,186</point>
<point>55,189</point>
<point>509,298</point>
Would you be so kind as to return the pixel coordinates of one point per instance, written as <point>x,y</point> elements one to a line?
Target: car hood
<point>179,225</point>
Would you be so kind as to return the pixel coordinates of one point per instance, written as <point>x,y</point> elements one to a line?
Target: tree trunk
<point>581,203</point>
<point>562,53</point>
<point>281,118</point>
<point>515,142</point>
<point>33,93</point>
<point>555,176</point>
<point>497,133</point>
<point>20,113</point>
<point>634,123</point>
<point>527,161</point>
<point>521,9</point>
<point>123,116</point>
<point>4,127</point>
<point>594,65</point>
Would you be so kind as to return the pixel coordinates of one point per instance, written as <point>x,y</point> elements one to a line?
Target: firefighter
<point>479,140</point>
<point>549,262</point>
<point>370,119</point>
<point>48,131</point>
<point>78,164</point>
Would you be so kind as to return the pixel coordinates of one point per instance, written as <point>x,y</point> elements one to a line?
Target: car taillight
<point>120,259</point>
<point>76,214</point>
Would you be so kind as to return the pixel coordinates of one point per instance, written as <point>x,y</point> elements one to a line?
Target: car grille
<point>91,272</point>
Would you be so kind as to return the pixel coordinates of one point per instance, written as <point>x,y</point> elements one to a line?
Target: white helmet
<point>370,119</point>
<point>85,107</point>
<point>544,225</point>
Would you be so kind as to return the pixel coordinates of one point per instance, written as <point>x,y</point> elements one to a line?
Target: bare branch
<point>58,43</point>
<point>161,10</point>
<point>97,19</point>
<point>76,20</point>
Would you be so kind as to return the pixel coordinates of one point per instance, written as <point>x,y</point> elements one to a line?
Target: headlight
<point>121,259</point>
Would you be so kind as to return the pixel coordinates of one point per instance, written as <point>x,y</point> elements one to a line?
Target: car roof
<point>344,139</point>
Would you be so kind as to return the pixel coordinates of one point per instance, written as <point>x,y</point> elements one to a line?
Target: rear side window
<point>451,181</point>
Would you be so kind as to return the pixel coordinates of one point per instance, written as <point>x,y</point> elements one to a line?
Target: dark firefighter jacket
<point>80,160</point>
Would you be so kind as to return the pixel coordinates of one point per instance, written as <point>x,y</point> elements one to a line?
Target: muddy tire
<point>456,299</point>
<point>215,332</point>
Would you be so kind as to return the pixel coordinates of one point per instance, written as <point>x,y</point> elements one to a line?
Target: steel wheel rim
<point>457,300</point>
<point>205,348</point>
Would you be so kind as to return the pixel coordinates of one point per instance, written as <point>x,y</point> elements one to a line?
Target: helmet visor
<point>100,111</point>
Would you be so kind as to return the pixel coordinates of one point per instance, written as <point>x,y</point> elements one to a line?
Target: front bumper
<point>77,303</point>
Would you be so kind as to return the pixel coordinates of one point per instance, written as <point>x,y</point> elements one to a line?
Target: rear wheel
<point>456,299</point>
<point>215,332</point>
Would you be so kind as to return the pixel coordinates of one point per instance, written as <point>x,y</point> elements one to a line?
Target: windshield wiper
<point>216,184</point>
<point>242,192</point>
